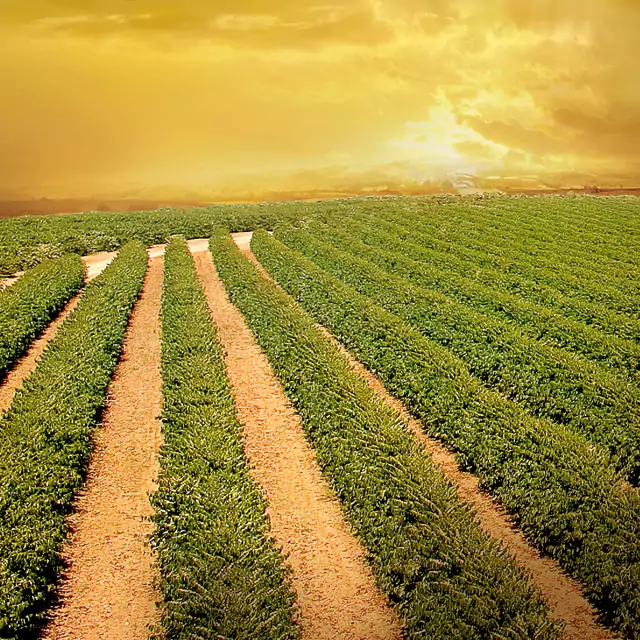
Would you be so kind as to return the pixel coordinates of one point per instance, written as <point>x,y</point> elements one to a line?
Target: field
<point>374,418</point>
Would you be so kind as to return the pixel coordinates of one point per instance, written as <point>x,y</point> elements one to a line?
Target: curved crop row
<point>602,227</point>
<point>446,235</point>
<point>45,440</point>
<point>616,354</point>
<point>417,245</point>
<point>31,303</point>
<point>526,243</point>
<point>221,575</point>
<point>446,577</point>
<point>549,382</point>
<point>564,492</point>
<point>536,227</point>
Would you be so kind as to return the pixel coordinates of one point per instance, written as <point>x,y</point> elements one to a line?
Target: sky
<point>237,97</point>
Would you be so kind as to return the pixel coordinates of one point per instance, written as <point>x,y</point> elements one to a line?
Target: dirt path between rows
<point>337,594</point>
<point>9,281</point>
<point>109,587</point>
<point>561,592</point>
<point>95,264</point>
<point>24,366</point>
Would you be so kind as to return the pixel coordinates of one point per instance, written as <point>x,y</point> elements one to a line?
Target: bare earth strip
<point>561,592</point>
<point>5,283</point>
<point>95,264</point>
<point>337,594</point>
<point>109,588</point>
<point>25,365</point>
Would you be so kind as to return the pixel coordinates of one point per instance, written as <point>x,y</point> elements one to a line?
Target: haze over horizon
<point>229,98</point>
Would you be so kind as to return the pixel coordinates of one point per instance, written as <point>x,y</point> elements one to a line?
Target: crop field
<point>368,418</point>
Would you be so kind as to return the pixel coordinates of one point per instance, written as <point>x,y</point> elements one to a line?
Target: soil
<point>96,264</point>
<point>337,594</point>
<point>109,587</point>
<point>561,592</point>
<point>5,283</point>
<point>25,365</point>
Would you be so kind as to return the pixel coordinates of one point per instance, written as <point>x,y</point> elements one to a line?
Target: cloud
<point>199,91</point>
<point>248,23</point>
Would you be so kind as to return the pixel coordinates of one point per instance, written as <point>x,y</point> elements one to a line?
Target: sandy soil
<point>25,365</point>
<point>97,263</point>
<point>561,592</point>
<point>5,283</point>
<point>108,591</point>
<point>337,595</point>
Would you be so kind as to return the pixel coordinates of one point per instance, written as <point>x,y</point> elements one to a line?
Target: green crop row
<point>416,245</point>
<point>563,491</point>
<point>605,228</point>
<point>549,382</point>
<point>29,305</point>
<point>618,355</point>
<point>446,577</point>
<point>565,228</point>
<point>445,234</point>
<point>45,440</point>
<point>221,575</point>
<point>503,237</point>
<point>26,241</point>
<point>480,240</point>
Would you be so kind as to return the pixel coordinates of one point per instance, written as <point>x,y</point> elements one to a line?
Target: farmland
<point>365,418</point>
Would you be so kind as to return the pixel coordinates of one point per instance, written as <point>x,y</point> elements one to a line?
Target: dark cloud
<point>514,135</point>
<point>618,132</point>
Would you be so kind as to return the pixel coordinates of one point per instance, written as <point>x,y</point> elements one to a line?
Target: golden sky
<point>230,96</point>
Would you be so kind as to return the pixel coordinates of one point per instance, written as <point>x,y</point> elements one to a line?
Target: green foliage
<point>221,575</point>
<point>388,251</point>
<point>425,245</point>
<point>549,382</point>
<point>573,232</point>
<point>562,490</point>
<point>521,251</point>
<point>26,241</point>
<point>445,576</point>
<point>45,440</point>
<point>27,307</point>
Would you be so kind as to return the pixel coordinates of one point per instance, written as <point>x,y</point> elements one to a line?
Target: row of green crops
<point>447,234</point>
<point>446,577</point>
<point>549,382</point>
<point>603,229</point>
<point>417,245</point>
<point>546,228</point>
<point>616,354</point>
<point>468,239</point>
<point>29,305</point>
<point>221,575</point>
<point>563,491</point>
<point>26,241</point>
<point>45,440</point>
<point>527,250</point>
